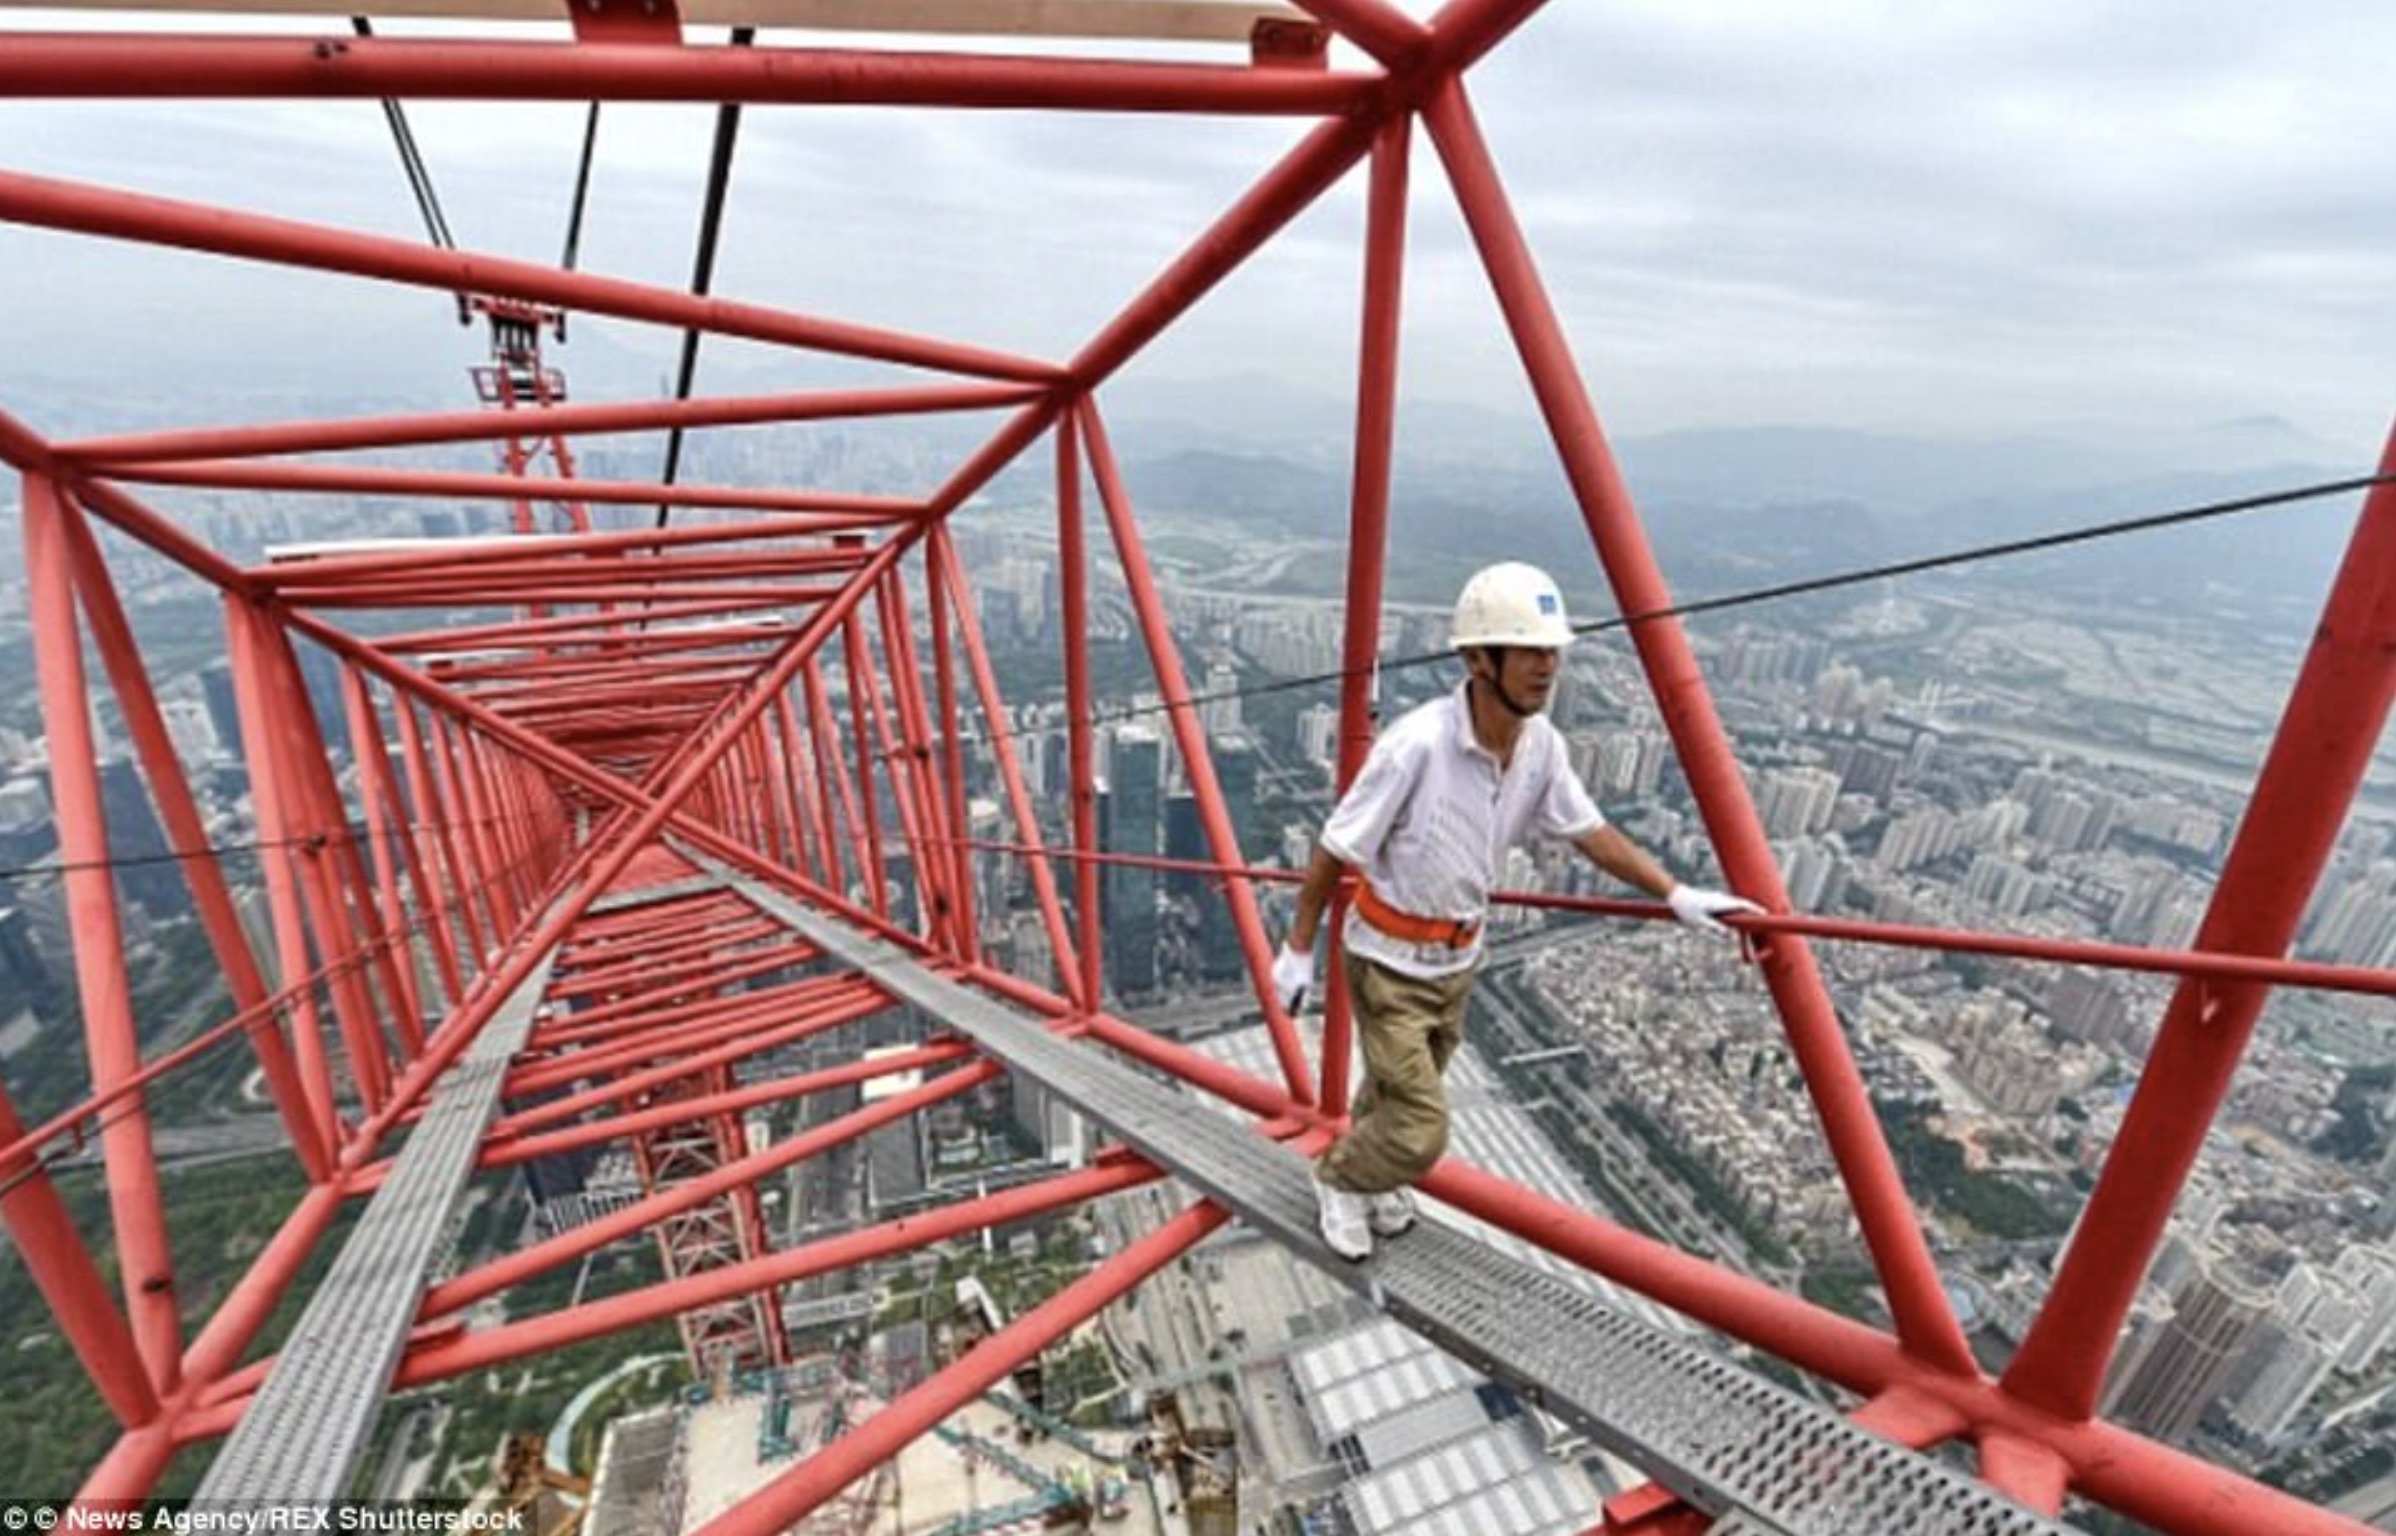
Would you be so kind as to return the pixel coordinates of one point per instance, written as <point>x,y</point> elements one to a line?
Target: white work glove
<point>1293,977</point>
<point>1703,910</point>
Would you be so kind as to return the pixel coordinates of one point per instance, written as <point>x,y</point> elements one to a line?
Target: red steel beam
<point>710,598</point>
<point>1380,29</point>
<point>212,899</point>
<point>624,969</point>
<point>798,771</point>
<point>55,66</point>
<point>450,1356</point>
<point>145,1262</point>
<point>366,480</point>
<point>383,815</point>
<point>835,791</point>
<point>898,767</point>
<point>108,455</point>
<point>564,572</point>
<point>935,585</point>
<point>24,449</point>
<point>2312,974</point>
<point>1368,536</point>
<point>1463,32</point>
<point>733,1101</point>
<point>948,906</point>
<point>514,1268</point>
<point>698,1024</point>
<point>1189,737</point>
<point>866,821</point>
<point>571,629</point>
<point>452,894</point>
<point>1288,189</point>
<point>83,209</point>
<point>789,1499</point>
<point>274,806</point>
<point>1925,1319</point>
<point>374,763</point>
<point>1073,583</point>
<point>2119,1468</point>
<point>62,1269</point>
<point>951,591</point>
<point>328,873</point>
<point>960,811</point>
<point>2307,783</point>
<point>750,1041</point>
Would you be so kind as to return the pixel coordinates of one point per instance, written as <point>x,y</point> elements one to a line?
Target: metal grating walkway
<point>653,895</point>
<point>1728,1441</point>
<point>300,1441</point>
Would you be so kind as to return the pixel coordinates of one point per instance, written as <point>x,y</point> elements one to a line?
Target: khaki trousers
<point>1407,1028</point>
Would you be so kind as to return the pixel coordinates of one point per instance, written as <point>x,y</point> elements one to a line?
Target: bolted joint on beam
<point>1276,42</point>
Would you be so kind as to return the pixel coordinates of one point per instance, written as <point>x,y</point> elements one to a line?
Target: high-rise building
<point>1219,955</point>
<point>1866,769</point>
<point>1185,840</point>
<point>993,871</point>
<point>1815,870</point>
<point>190,729</point>
<point>22,966</point>
<point>2369,1272</point>
<point>1318,734</point>
<point>894,1168</point>
<point>1048,1120</point>
<point>145,870</point>
<point>224,710</point>
<point>2175,1368</point>
<point>320,674</point>
<point>1797,802</point>
<point>1918,837</point>
<point>2283,1368</point>
<point>1220,713</point>
<point>1134,822</point>
<point>25,806</point>
<point>2382,1223</point>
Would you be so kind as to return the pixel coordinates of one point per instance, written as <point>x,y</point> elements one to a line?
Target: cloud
<point>2130,215</point>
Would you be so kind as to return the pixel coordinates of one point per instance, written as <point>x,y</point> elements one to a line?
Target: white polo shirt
<point>1432,816</point>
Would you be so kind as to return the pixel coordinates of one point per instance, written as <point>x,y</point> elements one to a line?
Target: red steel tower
<point>627,834</point>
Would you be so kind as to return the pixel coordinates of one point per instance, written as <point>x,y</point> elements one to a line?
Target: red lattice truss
<point>676,681</point>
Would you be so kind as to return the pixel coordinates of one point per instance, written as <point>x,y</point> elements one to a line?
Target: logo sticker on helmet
<point>1547,602</point>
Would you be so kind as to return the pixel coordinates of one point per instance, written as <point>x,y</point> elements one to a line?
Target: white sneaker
<point>1345,1221</point>
<point>1392,1213</point>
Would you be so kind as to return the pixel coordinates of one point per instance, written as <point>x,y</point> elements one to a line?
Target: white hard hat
<point>1511,604</point>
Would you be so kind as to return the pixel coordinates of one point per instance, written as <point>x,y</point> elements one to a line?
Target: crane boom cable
<point>411,160</point>
<point>582,190</point>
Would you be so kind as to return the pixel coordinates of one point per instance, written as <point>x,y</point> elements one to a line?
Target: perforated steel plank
<point>1728,1441</point>
<point>301,1439</point>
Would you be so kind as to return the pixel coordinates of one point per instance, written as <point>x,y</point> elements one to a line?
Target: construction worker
<point>1446,792</point>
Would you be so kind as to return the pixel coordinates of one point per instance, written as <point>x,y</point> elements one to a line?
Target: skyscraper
<point>224,712</point>
<point>1135,787</point>
<point>145,873</point>
<point>1218,939</point>
<point>1185,840</point>
<point>2171,1372</point>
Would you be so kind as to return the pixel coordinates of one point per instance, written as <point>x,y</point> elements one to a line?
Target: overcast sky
<point>1916,217</point>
